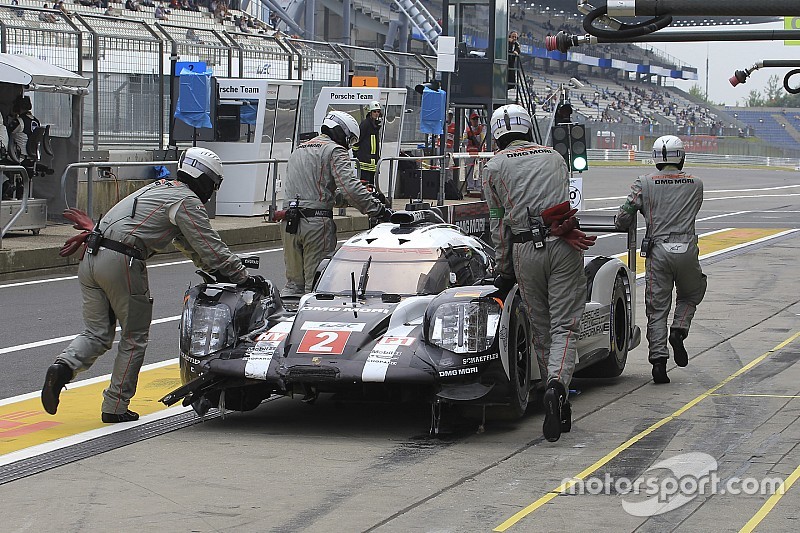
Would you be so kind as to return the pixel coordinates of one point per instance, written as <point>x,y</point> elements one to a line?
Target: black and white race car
<point>406,310</point>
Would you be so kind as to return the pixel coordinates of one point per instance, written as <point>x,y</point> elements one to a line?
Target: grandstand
<point>128,54</point>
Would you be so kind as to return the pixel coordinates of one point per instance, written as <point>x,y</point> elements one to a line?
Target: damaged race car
<point>403,311</point>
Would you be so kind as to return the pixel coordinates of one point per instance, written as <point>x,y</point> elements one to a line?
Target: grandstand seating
<point>776,126</point>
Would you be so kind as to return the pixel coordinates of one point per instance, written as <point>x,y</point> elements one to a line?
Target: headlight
<point>465,327</point>
<point>211,329</point>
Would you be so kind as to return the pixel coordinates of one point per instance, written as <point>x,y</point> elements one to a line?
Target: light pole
<point>597,103</point>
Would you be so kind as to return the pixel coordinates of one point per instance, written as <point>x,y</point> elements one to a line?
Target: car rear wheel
<point>619,333</point>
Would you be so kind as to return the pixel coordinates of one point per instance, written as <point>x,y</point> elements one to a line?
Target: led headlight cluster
<point>211,329</point>
<point>465,327</point>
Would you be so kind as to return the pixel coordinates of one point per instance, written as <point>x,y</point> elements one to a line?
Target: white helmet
<point>347,124</point>
<point>201,169</point>
<point>373,106</point>
<point>511,118</point>
<point>668,150</point>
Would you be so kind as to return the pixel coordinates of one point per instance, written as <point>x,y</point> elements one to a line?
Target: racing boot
<point>554,398</point>
<point>566,417</point>
<point>660,372</point>
<point>676,336</point>
<point>58,375</point>
<point>127,416</point>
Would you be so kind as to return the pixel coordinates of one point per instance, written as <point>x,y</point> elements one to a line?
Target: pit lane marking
<point>23,435</point>
<point>514,519</point>
<point>771,502</point>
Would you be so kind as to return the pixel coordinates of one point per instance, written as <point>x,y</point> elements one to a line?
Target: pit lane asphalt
<point>329,467</point>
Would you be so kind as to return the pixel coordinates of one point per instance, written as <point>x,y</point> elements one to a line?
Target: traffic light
<point>560,135</point>
<point>579,161</point>
<point>569,140</point>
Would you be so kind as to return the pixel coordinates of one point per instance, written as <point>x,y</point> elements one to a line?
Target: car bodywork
<point>405,310</point>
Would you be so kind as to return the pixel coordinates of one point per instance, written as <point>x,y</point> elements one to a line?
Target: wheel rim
<point>620,326</point>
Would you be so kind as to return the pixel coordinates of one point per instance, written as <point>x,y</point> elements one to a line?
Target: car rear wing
<point>605,224</point>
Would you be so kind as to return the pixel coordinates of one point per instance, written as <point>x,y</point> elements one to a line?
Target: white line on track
<point>778,188</point>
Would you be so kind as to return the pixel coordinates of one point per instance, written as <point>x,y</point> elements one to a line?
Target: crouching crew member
<point>539,245</point>
<point>669,200</point>
<point>315,170</point>
<point>113,274</point>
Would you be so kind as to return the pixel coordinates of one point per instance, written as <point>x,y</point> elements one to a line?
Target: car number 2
<point>323,342</point>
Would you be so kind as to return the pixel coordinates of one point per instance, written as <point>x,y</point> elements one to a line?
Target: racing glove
<point>253,282</point>
<point>72,244</point>
<point>504,284</point>
<point>80,219</point>
<point>579,240</point>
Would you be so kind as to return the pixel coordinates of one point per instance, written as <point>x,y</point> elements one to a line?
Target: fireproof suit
<point>669,200</point>
<point>315,170</point>
<point>115,288</point>
<point>523,177</point>
<point>368,149</point>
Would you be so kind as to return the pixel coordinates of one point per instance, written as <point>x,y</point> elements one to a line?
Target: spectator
<point>44,16</point>
<point>191,35</point>
<point>18,12</point>
<point>132,5</point>
<point>160,13</point>
<point>513,57</point>
<point>241,24</point>
<point>110,12</point>
<point>274,20</point>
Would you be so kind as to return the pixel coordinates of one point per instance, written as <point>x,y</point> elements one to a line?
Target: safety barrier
<point>696,158</point>
<point>90,167</point>
<point>26,190</point>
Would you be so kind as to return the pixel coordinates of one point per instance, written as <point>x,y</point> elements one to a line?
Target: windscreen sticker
<point>323,342</point>
<point>333,326</point>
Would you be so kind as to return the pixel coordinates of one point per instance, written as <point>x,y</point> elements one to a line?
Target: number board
<point>321,342</point>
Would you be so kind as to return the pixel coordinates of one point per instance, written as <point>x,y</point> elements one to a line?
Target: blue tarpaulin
<point>194,99</point>
<point>431,115</point>
<point>248,112</point>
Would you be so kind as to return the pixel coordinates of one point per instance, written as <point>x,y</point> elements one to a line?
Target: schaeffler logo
<point>670,484</point>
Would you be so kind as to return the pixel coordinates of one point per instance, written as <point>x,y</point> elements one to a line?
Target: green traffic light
<point>579,164</point>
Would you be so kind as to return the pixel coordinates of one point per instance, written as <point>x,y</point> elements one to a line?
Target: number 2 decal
<point>323,342</point>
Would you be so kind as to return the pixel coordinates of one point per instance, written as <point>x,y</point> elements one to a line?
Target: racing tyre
<point>518,366</point>
<point>619,332</point>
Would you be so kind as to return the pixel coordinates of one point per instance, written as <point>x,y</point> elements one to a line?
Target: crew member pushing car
<point>669,200</point>
<point>315,170</point>
<point>538,243</point>
<point>113,274</point>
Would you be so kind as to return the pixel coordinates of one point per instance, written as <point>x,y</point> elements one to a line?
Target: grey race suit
<point>315,170</point>
<point>115,287</point>
<point>669,200</point>
<point>552,280</point>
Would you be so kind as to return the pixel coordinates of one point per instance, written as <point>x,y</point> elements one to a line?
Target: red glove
<point>557,213</point>
<point>279,215</point>
<point>79,218</point>
<point>579,240</point>
<point>72,244</point>
<point>560,229</point>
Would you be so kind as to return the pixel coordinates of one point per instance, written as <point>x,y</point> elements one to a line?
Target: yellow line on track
<point>633,440</point>
<point>758,395</point>
<point>24,424</point>
<point>771,502</point>
<point>718,241</point>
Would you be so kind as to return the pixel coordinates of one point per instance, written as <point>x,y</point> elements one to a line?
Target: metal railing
<point>393,173</point>
<point>90,167</point>
<point>26,190</point>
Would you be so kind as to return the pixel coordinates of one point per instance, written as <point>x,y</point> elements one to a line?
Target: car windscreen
<point>391,271</point>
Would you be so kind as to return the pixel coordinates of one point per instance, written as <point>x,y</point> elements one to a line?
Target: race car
<point>404,311</point>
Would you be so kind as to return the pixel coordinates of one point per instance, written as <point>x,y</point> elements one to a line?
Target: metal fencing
<point>130,61</point>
